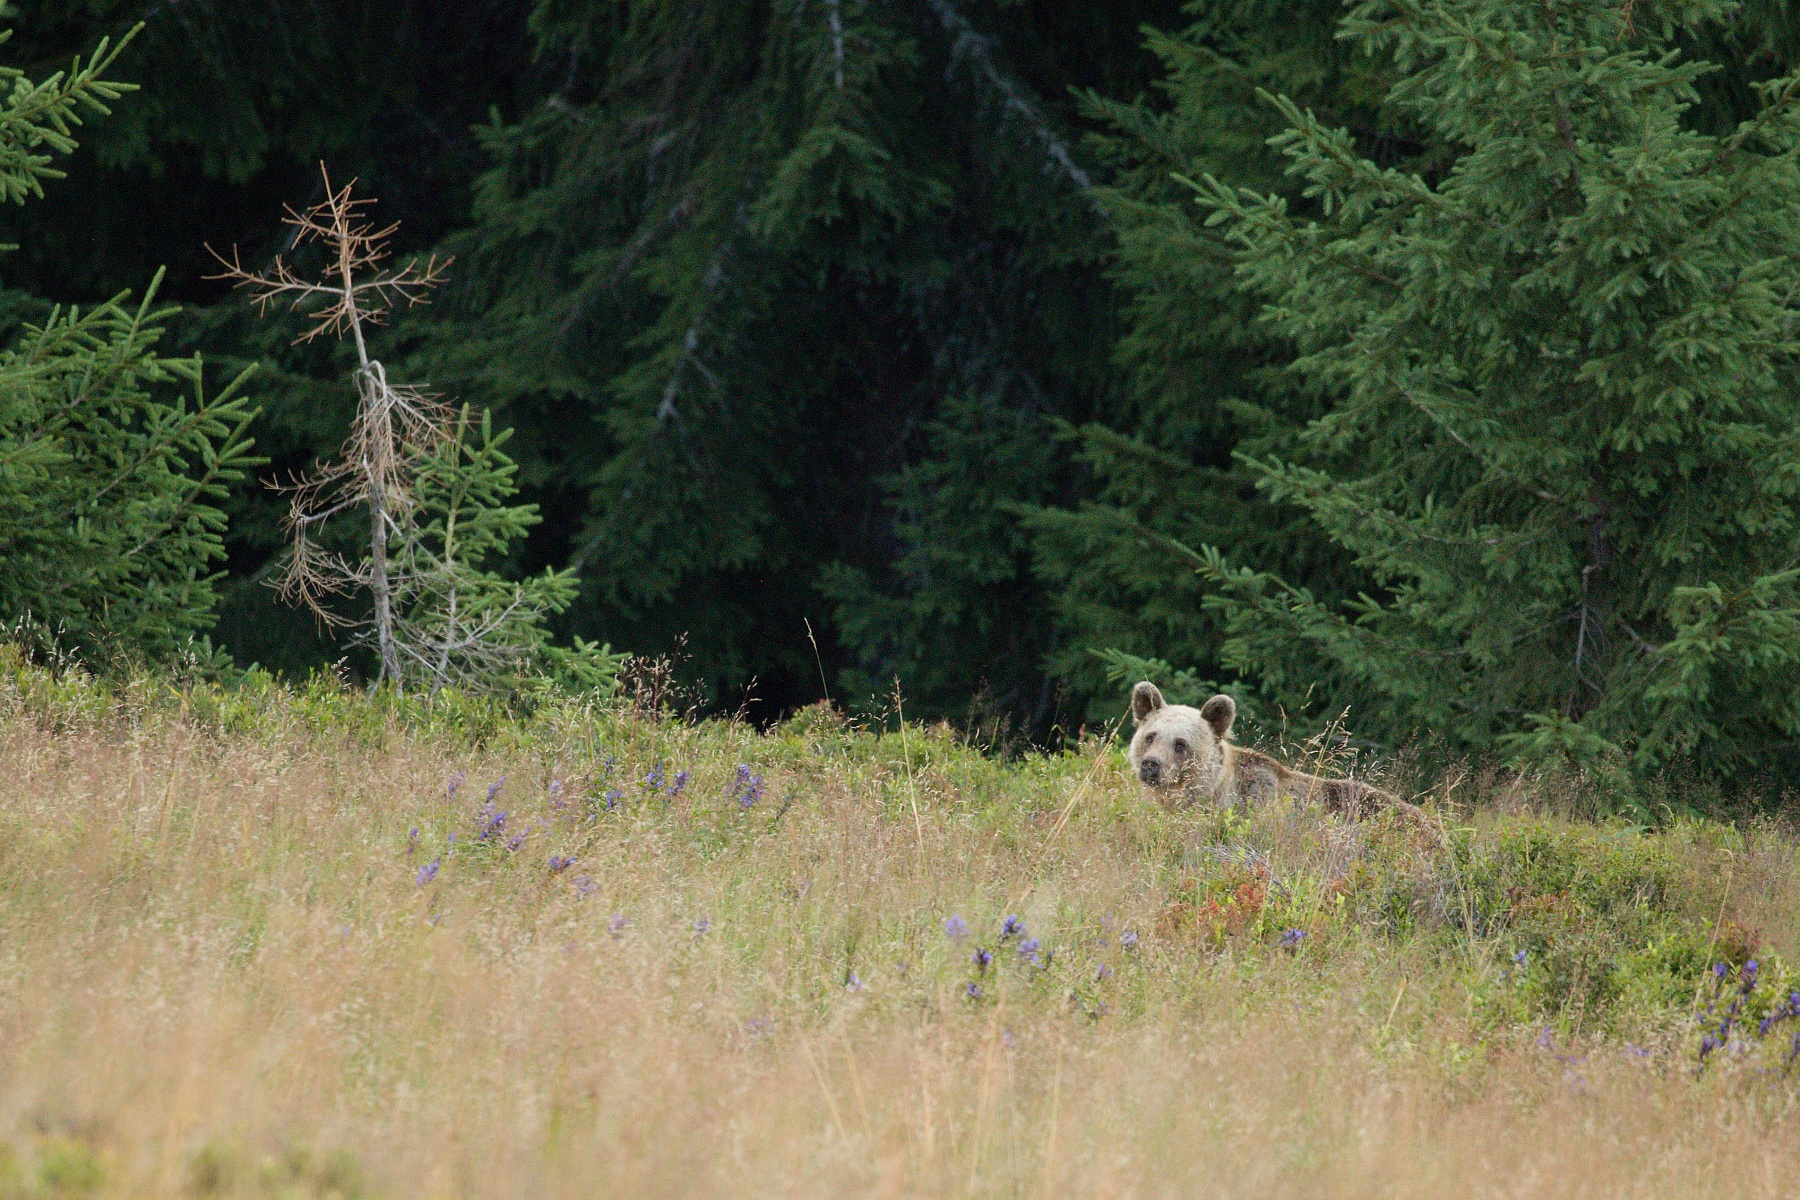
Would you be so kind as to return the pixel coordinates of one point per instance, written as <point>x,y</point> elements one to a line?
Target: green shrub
<point>113,458</point>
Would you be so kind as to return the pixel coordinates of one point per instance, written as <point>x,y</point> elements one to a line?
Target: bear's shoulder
<point>1252,775</point>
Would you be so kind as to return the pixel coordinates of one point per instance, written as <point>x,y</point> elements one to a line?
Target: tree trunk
<point>378,569</point>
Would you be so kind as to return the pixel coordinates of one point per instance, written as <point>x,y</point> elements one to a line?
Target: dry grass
<point>220,976</point>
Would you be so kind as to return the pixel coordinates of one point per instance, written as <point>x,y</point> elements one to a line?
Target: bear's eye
<point>1180,746</point>
<point>1150,738</point>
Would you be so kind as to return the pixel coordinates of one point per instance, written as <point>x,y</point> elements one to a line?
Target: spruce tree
<point>1196,377</point>
<point>1564,441</point>
<point>113,458</point>
<point>780,296</point>
<point>459,621</point>
<point>237,103</point>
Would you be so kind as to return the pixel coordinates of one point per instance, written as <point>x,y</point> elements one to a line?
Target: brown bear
<point>1184,756</point>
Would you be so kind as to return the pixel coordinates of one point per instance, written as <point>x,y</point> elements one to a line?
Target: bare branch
<point>348,295</point>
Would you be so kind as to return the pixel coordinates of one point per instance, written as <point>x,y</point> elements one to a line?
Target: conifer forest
<point>1425,368</point>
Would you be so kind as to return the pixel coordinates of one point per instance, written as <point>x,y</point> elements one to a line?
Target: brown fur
<point>1184,756</point>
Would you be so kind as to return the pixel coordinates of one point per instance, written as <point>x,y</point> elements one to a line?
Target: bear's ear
<point>1145,699</point>
<point>1219,712</point>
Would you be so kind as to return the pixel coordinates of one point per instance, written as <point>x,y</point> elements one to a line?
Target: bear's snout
<point>1150,771</point>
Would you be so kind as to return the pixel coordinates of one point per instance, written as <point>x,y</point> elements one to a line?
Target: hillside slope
<point>301,943</point>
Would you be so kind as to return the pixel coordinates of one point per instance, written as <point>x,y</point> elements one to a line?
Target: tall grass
<point>227,967</point>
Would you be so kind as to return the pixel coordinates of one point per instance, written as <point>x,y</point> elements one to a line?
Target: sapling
<point>433,484</point>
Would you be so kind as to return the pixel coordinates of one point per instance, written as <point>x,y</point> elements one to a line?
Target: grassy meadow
<point>298,943</point>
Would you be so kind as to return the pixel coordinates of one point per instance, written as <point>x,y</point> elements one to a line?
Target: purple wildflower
<point>1787,1009</point>
<point>428,872</point>
<point>972,990</point>
<point>493,822</point>
<point>653,782</point>
<point>1011,926</point>
<point>494,788</point>
<point>983,958</point>
<point>680,783</point>
<point>455,782</point>
<point>701,926</point>
<point>1102,972</point>
<point>556,794</point>
<point>1519,958</point>
<point>1292,938</point>
<point>747,788</point>
<point>612,799</point>
<point>852,983</point>
<point>1129,940</point>
<point>1733,1013</point>
<point>585,886</point>
<point>412,841</point>
<point>956,927</point>
<point>1030,946</point>
<point>517,839</point>
<point>616,924</point>
<point>760,1025</point>
<point>560,863</point>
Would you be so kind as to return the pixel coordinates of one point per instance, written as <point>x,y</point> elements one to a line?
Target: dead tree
<point>396,429</point>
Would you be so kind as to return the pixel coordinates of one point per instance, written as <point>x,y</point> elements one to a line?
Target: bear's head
<point>1178,751</point>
